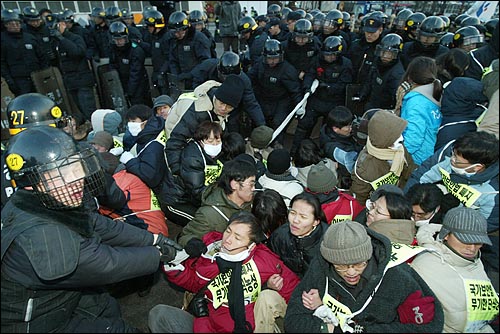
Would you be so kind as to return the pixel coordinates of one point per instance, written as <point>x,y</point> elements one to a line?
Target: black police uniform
<point>301,57</point>
<point>188,52</point>
<point>333,79</point>
<point>43,35</point>
<point>77,76</point>
<point>129,62</point>
<point>100,41</point>
<point>160,51</point>
<point>415,49</point>
<point>21,55</point>
<point>362,54</point>
<point>256,44</point>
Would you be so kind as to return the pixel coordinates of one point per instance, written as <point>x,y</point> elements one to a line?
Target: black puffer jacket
<point>296,253</point>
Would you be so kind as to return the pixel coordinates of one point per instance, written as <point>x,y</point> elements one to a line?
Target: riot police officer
<point>54,209</point>
<point>128,59</point>
<point>21,55</point>
<point>189,48</point>
<point>197,19</point>
<point>334,73</point>
<point>276,85</point>
<point>35,25</point>
<point>254,37</point>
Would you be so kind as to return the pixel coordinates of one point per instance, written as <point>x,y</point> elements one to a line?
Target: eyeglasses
<point>373,207</point>
<point>249,183</point>
<point>454,161</point>
<point>422,215</point>
<point>342,268</point>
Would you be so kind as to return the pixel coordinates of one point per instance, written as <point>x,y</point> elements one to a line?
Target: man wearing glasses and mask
<point>468,168</point>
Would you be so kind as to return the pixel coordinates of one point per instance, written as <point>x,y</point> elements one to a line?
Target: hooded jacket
<point>382,133</point>
<point>482,57</point>
<point>213,215</point>
<point>397,230</point>
<point>380,315</point>
<point>462,103</point>
<point>423,114</point>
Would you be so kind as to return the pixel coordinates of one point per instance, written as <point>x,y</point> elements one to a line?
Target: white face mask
<point>462,171</point>
<point>236,257</point>
<point>134,128</point>
<point>398,143</point>
<point>423,222</point>
<point>212,150</point>
<point>294,171</point>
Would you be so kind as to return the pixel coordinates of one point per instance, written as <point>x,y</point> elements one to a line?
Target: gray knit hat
<point>321,179</point>
<point>162,100</point>
<point>346,242</point>
<point>261,136</point>
<point>467,225</point>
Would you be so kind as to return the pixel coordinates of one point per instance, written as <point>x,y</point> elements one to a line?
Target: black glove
<point>167,247</point>
<point>195,247</point>
<point>199,307</point>
<point>56,33</point>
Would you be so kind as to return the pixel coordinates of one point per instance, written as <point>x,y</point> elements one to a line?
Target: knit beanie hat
<point>321,179</point>
<point>346,242</point>
<point>467,225</point>
<point>231,90</point>
<point>278,161</point>
<point>261,136</point>
<point>162,100</point>
<point>103,139</point>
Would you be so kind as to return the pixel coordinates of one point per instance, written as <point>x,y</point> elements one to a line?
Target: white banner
<point>484,10</point>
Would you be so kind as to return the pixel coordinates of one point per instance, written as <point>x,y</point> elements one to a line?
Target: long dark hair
<point>423,71</point>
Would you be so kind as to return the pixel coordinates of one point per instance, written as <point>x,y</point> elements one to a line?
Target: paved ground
<point>135,308</point>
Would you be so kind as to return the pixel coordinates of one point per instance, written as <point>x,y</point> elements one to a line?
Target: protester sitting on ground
<point>336,204</point>
<point>162,105</point>
<point>296,242</point>
<point>233,192</point>
<point>390,214</point>
<point>102,141</point>
<point>227,278</point>
<point>258,144</point>
<point>270,210</point>
<point>384,159</point>
<point>309,154</point>
<point>279,177</point>
<point>453,270</point>
<point>355,284</point>
<point>427,201</point>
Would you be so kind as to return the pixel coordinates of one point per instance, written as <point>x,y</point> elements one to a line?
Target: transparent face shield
<point>386,55</point>
<point>69,182</point>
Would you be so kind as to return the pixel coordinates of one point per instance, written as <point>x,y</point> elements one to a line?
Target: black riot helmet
<point>67,16</point>
<point>459,19</point>
<point>126,14</point>
<point>490,27</point>
<point>447,40</point>
<point>273,50</point>
<point>30,14</point>
<point>51,21</point>
<point>178,21</point>
<point>301,12</point>
<point>470,21</point>
<point>303,29</point>
<point>246,24</point>
<point>154,18</point>
<point>10,15</point>
<point>446,21</point>
<point>381,16</point>
<point>229,63</point>
<point>333,19</point>
<point>284,12</point>
<point>113,14</point>
<point>33,109</point>
<point>197,18</point>
<point>98,12</point>
<point>118,30</point>
<point>318,20</point>
<point>430,31</point>
<point>401,17</point>
<point>332,45</point>
<point>413,22</point>
<point>467,38</point>
<point>347,20</point>
<point>389,48</point>
<point>261,18</point>
<point>62,175</point>
<point>274,10</point>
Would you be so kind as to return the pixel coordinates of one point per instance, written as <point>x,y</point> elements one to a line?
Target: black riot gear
<point>118,30</point>
<point>413,22</point>
<point>33,109</point>
<point>447,40</point>
<point>67,16</point>
<point>332,45</point>
<point>246,24</point>
<point>390,44</point>
<point>178,21</point>
<point>333,19</point>
<point>467,38</point>
<point>30,14</point>
<point>113,14</point>
<point>154,18</point>
<point>303,28</point>
<point>273,50</point>
<point>430,31</point>
<point>62,175</point>
<point>274,10</point>
<point>470,21</point>
<point>401,17</point>
<point>229,63</point>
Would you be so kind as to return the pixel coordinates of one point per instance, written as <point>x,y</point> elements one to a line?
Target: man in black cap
<point>209,101</point>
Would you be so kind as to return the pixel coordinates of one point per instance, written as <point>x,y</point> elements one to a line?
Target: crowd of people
<point>385,222</point>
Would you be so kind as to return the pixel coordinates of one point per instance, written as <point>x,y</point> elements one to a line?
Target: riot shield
<point>113,93</point>
<point>49,82</point>
<point>7,96</point>
<point>352,99</point>
<point>98,68</point>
